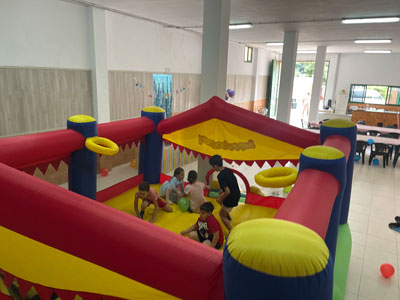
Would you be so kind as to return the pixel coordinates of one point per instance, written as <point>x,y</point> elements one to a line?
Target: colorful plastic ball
<point>183,204</point>
<point>213,194</point>
<point>228,91</point>
<point>376,161</point>
<point>387,270</point>
<point>370,141</point>
<point>357,157</point>
<point>104,172</point>
<point>287,189</point>
<point>232,94</point>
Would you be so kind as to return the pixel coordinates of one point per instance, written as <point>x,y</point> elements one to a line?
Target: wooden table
<point>377,128</point>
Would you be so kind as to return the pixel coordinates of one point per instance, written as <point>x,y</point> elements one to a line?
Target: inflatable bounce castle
<point>62,243</point>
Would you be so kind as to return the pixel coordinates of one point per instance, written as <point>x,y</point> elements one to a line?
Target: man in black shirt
<point>230,194</point>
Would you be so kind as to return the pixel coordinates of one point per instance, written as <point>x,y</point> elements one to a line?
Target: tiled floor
<point>375,201</point>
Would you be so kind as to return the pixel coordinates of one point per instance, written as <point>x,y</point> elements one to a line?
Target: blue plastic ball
<point>376,161</point>
<point>357,157</point>
<point>370,141</point>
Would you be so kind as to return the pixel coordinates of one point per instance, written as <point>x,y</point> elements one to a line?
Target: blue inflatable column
<point>150,152</point>
<point>82,166</point>
<point>276,259</point>
<point>332,161</point>
<point>347,129</point>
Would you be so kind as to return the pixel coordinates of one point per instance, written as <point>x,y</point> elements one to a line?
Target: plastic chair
<point>390,136</point>
<point>362,132</point>
<point>379,149</point>
<point>360,149</point>
<point>396,155</point>
<point>373,133</point>
<point>361,122</point>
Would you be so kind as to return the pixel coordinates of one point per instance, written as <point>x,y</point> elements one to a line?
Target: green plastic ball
<point>183,204</point>
<point>287,189</point>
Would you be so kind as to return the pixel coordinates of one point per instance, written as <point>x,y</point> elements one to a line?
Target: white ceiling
<point>317,21</point>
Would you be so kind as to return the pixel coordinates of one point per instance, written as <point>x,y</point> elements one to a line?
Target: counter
<point>372,118</point>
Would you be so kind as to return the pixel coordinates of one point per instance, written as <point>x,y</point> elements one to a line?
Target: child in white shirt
<point>195,191</point>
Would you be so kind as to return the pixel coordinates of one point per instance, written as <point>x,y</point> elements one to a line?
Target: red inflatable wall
<point>108,237</point>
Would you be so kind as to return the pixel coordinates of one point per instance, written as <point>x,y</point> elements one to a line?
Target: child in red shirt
<point>149,196</point>
<point>207,229</point>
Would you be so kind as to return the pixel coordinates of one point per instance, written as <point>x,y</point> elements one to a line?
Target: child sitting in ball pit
<point>207,229</point>
<point>149,196</point>
<point>195,191</point>
<point>170,189</point>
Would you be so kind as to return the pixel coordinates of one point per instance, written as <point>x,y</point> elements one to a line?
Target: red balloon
<point>387,270</point>
<point>104,172</point>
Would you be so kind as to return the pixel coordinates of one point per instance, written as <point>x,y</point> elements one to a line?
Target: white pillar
<point>287,75</point>
<point>332,77</point>
<point>98,56</point>
<point>317,82</point>
<point>214,62</point>
<point>254,95</point>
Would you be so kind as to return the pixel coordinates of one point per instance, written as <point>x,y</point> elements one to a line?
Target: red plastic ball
<point>104,172</point>
<point>387,270</point>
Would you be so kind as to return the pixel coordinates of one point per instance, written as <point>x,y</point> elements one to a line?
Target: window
<point>393,96</point>
<point>248,54</point>
<point>374,94</point>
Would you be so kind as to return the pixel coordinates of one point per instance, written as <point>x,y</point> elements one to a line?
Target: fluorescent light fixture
<point>306,51</point>
<point>386,41</point>
<point>240,26</point>
<point>275,44</point>
<point>371,20</point>
<point>378,51</point>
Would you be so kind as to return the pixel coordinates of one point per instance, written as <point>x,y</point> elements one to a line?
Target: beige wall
<point>34,99</point>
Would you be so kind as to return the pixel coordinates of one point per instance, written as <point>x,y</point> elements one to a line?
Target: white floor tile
<point>350,296</point>
<point>360,227</point>
<point>381,244</point>
<point>379,257</point>
<point>357,250</point>
<point>374,285</point>
<point>359,238</point>
<point>354,275</point>
<point>358,217</point>
<point>364,298</point>
<point>363,209</point>
<point>379,227</point>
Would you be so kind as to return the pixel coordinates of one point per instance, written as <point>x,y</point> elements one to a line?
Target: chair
<point>373,133</point>
<point>391,126</point>
<point>360,149</point>
<point>362,132</point>
<point>396,155</point>
<point>379,149</point>
<point>361,122</point>
<point>390,136</point>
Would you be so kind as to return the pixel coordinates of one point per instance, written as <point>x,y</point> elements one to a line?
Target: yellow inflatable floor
<point>176,221</point>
